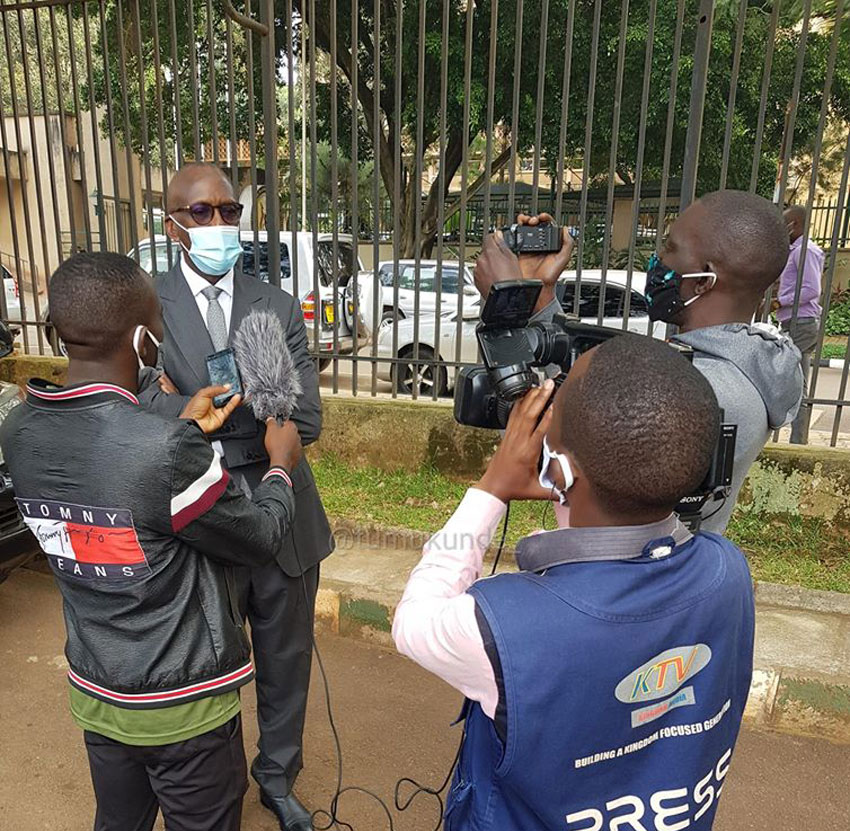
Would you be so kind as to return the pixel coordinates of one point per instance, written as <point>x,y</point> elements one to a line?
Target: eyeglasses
<point>203,212</point>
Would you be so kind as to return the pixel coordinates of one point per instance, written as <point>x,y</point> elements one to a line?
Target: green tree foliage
<point>149,76</point>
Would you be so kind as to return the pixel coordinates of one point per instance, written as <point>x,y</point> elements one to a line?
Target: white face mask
<point>138,334</point>
<point>545,477</point>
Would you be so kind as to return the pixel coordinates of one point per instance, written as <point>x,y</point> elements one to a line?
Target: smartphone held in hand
<point>222,369</point>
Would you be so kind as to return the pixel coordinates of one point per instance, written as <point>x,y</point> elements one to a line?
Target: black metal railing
<point>397,134</point>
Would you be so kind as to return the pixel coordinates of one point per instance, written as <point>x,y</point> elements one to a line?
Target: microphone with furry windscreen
<point>269,375</point>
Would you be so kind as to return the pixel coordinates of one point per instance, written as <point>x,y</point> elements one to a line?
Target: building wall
<point>69,192</point>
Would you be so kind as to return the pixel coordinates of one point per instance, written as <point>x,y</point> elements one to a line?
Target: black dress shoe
<point>290,813</point>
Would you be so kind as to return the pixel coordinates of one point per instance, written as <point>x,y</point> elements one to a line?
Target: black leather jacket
<point>143,528</point>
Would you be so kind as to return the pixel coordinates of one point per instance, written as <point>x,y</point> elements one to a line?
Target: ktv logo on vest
<point>86,542</point>
<point>663,677</point>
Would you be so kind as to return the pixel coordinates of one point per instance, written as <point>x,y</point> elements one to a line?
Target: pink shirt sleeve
<point>435,621</point>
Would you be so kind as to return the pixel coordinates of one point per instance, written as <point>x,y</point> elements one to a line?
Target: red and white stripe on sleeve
<point>279,472</point>
<point>200,496</point>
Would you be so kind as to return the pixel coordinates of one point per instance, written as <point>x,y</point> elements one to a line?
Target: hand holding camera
<point>513,470</point>
<point>533,249</point>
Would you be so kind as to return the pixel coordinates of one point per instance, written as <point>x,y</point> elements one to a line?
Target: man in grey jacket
<point>738,245</point>
<point>203,303</point>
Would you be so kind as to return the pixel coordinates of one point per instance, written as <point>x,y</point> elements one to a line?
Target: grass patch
<point>794,551</point>
<point>833,350</point>
<point>798,551</point>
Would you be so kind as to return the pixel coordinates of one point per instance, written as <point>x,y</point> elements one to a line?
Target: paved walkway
<point>393,720</point>
<point>801,682</point>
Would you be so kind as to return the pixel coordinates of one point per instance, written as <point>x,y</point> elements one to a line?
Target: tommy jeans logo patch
<point>86,542</point>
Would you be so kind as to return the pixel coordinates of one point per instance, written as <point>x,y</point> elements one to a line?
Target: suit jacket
<point>183,358</point>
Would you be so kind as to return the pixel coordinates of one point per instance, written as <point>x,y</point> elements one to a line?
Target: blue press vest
<point>624,684</point>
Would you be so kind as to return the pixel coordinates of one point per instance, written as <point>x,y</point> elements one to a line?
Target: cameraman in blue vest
<point>606,680</point>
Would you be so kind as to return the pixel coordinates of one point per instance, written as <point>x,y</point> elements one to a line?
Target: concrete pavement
<point>393,720</point>
<point>801,681</point>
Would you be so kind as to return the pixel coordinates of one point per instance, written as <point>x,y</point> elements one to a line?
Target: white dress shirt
<point>197,284</point>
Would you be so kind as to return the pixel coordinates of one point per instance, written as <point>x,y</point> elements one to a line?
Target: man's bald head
<point>198,182</point>
<point>795,221</point>
<point>745,236</point>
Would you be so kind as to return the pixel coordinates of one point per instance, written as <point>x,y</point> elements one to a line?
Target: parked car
<point>17,544</point>
<point>409,289</point>
<point>431,369</point>
<point>315,273</point>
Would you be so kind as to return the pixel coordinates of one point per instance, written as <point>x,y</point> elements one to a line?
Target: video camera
<point>513,348</point>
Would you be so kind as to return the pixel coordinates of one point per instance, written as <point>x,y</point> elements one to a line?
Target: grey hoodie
<point>755,373</point>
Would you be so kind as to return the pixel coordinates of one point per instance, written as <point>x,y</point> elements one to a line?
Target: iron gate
<point>399,132</point>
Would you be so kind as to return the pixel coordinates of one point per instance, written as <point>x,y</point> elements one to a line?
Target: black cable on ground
<point>331,816</point>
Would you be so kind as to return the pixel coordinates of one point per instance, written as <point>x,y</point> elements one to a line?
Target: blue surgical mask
<point>215,248</point>
<point>545,477</point>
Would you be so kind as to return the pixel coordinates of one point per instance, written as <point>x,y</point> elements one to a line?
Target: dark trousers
<point>805,337</point>
<point>198,784</point>
<point>281,617</point>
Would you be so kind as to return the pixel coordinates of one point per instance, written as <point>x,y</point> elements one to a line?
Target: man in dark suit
<point>203,303</point>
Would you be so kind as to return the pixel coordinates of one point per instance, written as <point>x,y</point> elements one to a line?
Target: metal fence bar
<point>699,80</point>
<point>143,118</point>
<point>399,38</point>
<point>122,64</point>
<point>193,69</point>
<point>355,179</point>
<point>51,166</point>
<point>160,131</point>
<point>338,312</point>
<point>565,110</point>
<point>816,155</point>
<point>791,115</point>
<point>514,117</point>
<point>294,261</point>
<point>213,93</point>
<point>588,140</point>
<point>464,167</point>
<point>252,139</point>
<point>7,169</point>
<point>377,140</point>
<point>66,153</point>
<point>38,189</point>
<point>488,133</point>
<point>95,134</point>
<point>612,162</point>
<point>541,88</point>
<point>270,137</point>
<point>644,102</point>
<point>405,136</point>
<point>417,192</point>
<point>314,229</point>
<point>765,88</point>
<point>827,294</point>
<point>439,370</point>
<point>176,85</point>
<point>733,91</point>
<point>79,127</point>
<point>24,194</point>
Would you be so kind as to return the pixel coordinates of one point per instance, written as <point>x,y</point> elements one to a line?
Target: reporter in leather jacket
<point>143,528</point>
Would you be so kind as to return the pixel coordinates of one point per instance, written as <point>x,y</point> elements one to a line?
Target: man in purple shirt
<point>804,332</point>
